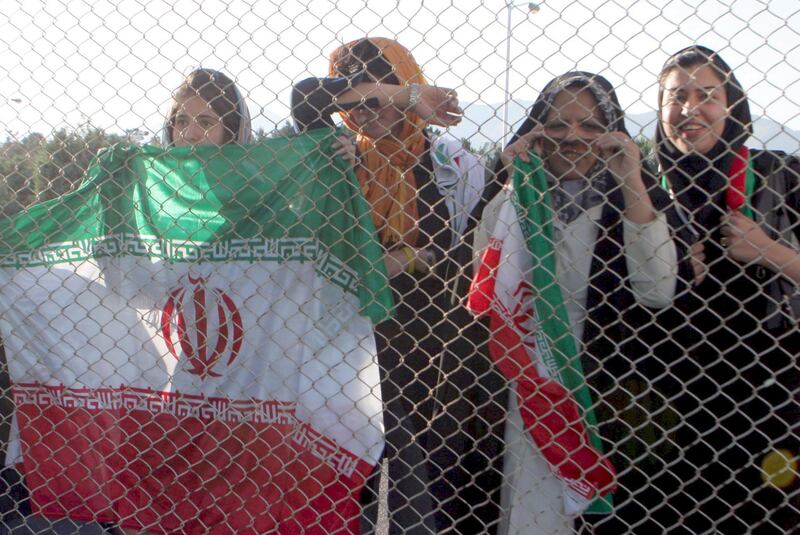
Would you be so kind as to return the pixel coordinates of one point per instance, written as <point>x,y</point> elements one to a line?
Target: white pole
<point>532,8</point>
<point>509,7</point>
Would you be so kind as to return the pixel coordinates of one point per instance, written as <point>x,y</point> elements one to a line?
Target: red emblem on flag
<point>523,307</point>
<point>205,323</point>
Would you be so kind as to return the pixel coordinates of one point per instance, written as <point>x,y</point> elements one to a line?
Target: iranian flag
<point>189,338</point>
<point>531,343</point>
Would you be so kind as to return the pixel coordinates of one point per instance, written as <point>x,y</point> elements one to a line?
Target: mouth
<point>571,154</point>
<point>692,130</point>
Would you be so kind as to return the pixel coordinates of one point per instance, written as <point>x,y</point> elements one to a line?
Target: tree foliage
<point>36,168</point>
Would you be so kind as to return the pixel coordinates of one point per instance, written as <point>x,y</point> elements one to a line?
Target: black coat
<point>736,389</point>
<point>627,348</point>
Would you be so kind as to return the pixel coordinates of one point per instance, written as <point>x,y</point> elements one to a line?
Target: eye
<point>593,127</point>
<point>676,97</point>
<point>207,124</point>
<point>556,126</point>
<point>710,95</point>
<point>180,122</point>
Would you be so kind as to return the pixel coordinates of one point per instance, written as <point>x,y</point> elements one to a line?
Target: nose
<point>577,135</point>
<point>690,105</point>
<point>571,135</point>
<point>194,132</point>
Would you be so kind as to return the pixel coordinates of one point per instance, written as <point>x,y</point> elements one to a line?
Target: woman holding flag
<point>280,448</point>
<point>206,109</point>
<point>741,435</point>
<point>579,249</point>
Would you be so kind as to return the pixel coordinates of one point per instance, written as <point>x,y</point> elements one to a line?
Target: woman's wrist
<point>400,96</point>
<point>381,93</point>
<point>413,96</point>
<point>776,256</point>
<point>632,180</point>
<point>638,206</point>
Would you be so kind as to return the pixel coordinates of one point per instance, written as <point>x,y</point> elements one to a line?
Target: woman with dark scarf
<point>589,226</point>
<point>436,383</point>
<point>741,380</point>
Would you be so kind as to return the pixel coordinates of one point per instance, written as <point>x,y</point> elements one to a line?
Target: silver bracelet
<point>413,96</point>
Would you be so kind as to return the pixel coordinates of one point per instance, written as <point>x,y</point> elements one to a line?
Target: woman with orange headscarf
<point>422,189</point>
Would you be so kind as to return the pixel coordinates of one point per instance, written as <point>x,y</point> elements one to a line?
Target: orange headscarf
<point>386,174</point>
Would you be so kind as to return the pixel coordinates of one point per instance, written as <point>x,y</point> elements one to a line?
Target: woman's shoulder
<point>779,172</point>
<point>766,161</point>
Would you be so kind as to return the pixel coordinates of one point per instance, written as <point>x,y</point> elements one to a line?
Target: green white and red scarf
<point>741,183</point>
<point>532,344</point>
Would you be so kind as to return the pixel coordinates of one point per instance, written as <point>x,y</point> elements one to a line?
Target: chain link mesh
<point>512,268</point>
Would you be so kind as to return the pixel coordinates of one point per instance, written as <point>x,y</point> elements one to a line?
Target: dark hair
<point>694,56</point>
<point>365,57</point>
<point>219,91</point>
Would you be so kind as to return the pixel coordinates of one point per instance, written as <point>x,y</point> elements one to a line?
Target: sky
<point>114,63</point>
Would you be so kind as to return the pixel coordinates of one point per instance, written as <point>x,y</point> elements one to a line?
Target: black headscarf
<point>572,198</point>
<point>601,88</point>
<point>603,92</point>
<point>699,180</point>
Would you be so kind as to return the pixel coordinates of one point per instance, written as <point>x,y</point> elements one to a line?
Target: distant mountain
<point>483,123</point>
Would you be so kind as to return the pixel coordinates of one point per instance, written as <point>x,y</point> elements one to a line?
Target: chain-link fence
<point>457,267</point>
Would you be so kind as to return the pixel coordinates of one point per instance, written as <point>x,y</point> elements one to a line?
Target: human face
<point>196,123</point>
<point>694,107</point>
<point>572,124</point>
<point>378,123</point>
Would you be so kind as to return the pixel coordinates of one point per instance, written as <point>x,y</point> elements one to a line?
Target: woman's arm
<point>652,261</point>
<point>747,242</point>
<point>624,161</point>
<point>314,100</point>
<point>650,251</point>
